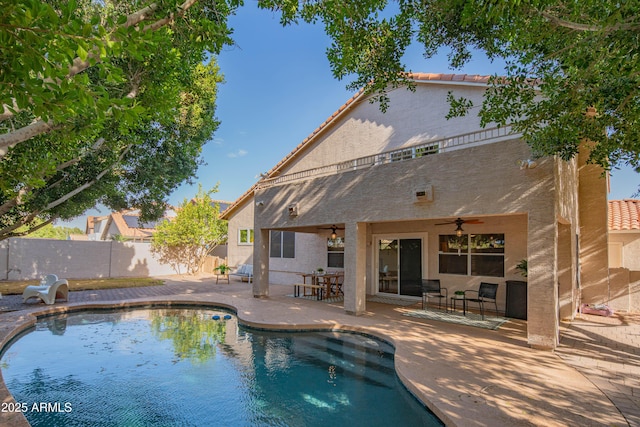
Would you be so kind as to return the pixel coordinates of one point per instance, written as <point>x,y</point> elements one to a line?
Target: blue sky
<point>278,88</point>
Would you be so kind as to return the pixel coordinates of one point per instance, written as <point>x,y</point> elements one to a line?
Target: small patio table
<point>459,297</point>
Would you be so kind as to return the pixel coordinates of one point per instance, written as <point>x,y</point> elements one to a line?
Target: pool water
<point>168,367</point>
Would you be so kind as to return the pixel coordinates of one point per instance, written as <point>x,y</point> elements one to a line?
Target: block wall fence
<point>28,259</point>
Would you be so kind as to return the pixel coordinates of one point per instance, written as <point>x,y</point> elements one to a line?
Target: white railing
<point>398,155</point>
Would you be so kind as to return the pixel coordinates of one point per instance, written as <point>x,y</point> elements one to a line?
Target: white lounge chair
<point>49,290</point>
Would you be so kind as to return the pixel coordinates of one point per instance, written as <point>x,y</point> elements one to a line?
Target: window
<point>472,254</point>
<point>335,252</point>
<point>282,244</point>
<point>245,236</point>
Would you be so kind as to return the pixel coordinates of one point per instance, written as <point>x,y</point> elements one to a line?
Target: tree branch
<point>135,18</point>
<point>31,230</point>
<point>14,138</point>
<point>568,24</point>
<point>8,231</point>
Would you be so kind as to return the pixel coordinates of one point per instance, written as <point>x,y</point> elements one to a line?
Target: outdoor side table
<point>459,297</point>
<point>222,276</point>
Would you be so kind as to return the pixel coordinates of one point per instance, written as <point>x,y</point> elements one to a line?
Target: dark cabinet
<point>516,299</point>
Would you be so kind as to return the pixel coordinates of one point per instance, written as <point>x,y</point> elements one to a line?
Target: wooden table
<point>328,279</point>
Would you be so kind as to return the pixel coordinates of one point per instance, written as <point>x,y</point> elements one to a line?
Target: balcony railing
<point>401,154</point>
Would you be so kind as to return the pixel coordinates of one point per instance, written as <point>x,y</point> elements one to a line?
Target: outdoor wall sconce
<point>260,203</point>
<point>293,209</point>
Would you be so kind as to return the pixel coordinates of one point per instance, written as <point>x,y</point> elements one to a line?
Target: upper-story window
<point>282,244</point>
<point>245,236</point>
<point>472,254</point>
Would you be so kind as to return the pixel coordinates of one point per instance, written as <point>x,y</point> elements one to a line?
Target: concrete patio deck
<point>467,376</point>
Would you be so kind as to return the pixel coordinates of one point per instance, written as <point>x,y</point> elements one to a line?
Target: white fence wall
<point>26,259</point>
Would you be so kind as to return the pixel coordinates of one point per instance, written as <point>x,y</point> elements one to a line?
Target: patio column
<point>261,263</point>
<point>355,267</point>
<point>542,314</point>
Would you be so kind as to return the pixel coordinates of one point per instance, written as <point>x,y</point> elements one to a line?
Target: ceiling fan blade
<point>460,221</point>
<point>473,221</point>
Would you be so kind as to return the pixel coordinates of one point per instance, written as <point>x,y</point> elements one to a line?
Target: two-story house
<point>410,192</point>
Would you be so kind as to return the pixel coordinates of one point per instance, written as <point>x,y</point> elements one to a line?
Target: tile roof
<point>624,215</point>
<point>355,99</point>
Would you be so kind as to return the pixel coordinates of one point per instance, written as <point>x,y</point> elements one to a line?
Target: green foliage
<point>122,103</point>
<point>50,231</point>
<point>222,269</point>
<point>522,267</point>
<point>192,235</point>
<point>564,58</point>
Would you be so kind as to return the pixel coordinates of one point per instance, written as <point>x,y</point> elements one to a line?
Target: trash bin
<point>516,299</point>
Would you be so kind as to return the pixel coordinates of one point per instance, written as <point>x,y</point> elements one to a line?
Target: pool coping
<point>432,360</point>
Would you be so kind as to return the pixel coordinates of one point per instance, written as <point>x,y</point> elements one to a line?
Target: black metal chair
<point>486,293</point>
<point>431,289</point>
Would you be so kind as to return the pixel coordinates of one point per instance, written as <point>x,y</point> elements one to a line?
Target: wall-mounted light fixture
<point>459,230</point>
<point>293,209</point>
<point>333,233</point>
<point>260,203</point>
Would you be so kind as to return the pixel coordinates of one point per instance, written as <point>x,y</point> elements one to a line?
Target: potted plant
<point>521,267</point>
<point>320,270</point>
<point>222,269</point>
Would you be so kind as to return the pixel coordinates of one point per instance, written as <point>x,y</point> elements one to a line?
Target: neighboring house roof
<point>130,226</point>
<point>624,215</point>
<point>354,100</point>
<point>127,224</point>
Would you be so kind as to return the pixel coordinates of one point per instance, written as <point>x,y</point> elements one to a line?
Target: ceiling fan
<point>333,229</point>
<point>458,222</point>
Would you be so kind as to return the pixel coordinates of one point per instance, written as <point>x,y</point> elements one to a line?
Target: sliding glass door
<point>400,265</point>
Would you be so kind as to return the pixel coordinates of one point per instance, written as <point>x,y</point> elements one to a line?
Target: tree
<point>103,102</point>
<point>564,58</point>
<point>52,232</point>
<point>192,235</point>
<point>110,102</point>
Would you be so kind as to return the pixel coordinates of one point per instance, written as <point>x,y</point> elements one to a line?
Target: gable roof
<point>624,215</point>
<point>351,102</point>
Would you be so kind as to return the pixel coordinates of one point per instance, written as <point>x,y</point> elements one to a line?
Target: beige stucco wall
<point>25,259</point>
<point>243,219</point>
<point>594,258</point>
<point>567,238</point>
<point>628,243</point>
<point>412,118</point>
<point>310,253</point>
<point>536,208</point>
<point>624,290</point>
<point>492,184</point>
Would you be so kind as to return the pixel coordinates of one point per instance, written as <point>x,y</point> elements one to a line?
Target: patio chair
<point>338,283</point>
<point>486,293</point>
<point>431,289</point>
<point>50,289</point>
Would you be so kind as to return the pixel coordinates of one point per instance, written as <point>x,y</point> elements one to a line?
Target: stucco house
<point>390,187</point>
<point>624,254</point>
<point>126,224</point>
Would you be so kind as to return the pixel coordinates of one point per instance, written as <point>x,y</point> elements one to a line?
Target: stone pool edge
<point>24,320</point>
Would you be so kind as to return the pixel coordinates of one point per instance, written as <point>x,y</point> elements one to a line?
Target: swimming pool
<point>181,367</point>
